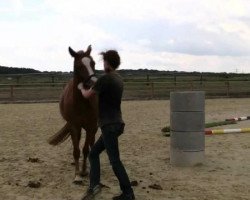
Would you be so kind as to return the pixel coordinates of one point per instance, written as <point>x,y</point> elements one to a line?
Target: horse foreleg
<point>75,136</point>
<point>89,142</point>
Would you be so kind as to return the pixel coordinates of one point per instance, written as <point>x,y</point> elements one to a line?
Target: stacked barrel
<point>187,124</point>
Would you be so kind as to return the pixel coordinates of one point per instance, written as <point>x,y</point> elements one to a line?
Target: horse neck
<point>76,92</point>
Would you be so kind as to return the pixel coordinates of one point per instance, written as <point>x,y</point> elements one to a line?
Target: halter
<point>91,77</point>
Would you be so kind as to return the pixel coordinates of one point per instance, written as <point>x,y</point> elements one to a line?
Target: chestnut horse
<point>78,111</point>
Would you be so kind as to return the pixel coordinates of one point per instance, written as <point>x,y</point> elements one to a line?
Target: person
<point>109,88</point>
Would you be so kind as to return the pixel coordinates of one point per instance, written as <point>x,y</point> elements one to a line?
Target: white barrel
<point>188,141</point>
<point>187,101</point>
<point>187,121</point>
<point>187,124</point>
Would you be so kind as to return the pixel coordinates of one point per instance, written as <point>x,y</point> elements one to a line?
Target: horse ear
<point>89,49</point>
<point>72,52</point>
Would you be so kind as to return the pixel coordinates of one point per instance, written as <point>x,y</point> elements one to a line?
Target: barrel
<point>187,124</point>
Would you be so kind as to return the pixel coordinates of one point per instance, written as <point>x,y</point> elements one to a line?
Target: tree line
<point>16,70</point>
<point>129,72</point>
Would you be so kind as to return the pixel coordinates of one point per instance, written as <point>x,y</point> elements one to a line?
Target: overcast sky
<point>182,35</point>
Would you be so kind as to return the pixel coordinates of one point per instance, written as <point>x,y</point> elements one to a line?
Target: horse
<point>79,112</point>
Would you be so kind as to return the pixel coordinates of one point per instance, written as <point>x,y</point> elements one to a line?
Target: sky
<point>181,35</point>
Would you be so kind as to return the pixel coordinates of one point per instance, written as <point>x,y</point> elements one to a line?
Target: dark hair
<point>112,57</point>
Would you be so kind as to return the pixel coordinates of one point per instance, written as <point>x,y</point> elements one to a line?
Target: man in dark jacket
<point>109,88</point>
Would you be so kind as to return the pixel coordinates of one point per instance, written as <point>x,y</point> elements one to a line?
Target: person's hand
<point>80,86</point>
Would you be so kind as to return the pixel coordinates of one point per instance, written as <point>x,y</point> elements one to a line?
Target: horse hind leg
<point>76,136</point>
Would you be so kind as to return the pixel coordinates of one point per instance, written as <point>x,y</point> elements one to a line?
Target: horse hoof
<point>83,174</point>
<point>78,180</point>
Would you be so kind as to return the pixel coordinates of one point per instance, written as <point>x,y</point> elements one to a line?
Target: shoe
<point>124,197</point>
<point>92,192</point>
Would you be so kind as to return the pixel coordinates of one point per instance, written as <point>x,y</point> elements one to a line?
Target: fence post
<point>192,86</point>
<point>147,77</point>
<point>18,79</point>
<point>228,88</point>
<point>11,91</point>
<point>152,90</point>
<point>53,80</point>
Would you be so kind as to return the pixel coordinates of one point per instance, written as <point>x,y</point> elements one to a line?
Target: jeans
<point>109,141</point>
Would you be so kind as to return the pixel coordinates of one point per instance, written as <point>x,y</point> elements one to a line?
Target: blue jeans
<point>109,141</point>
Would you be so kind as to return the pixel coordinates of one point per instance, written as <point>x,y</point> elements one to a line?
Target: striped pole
<point>238,118</point>
<point>224,131</point>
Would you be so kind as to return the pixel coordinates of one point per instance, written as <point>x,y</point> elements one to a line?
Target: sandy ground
<point>24,129</point>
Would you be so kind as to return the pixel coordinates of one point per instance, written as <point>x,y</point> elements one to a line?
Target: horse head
<point>84,66</point>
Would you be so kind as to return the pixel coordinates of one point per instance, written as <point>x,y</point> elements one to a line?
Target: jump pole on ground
<point>238,118</point>
<point>187,124</point>
<point>225,131</point>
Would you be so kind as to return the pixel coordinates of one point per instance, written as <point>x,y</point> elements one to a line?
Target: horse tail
<point>60,136</point>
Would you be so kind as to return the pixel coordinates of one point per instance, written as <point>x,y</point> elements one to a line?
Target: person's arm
<point>98,87</point>
<point>86,93</point>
